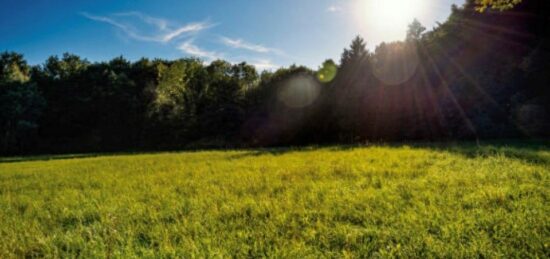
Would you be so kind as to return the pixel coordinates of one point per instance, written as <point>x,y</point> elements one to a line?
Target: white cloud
<point>193,27</point>
<point>241,44</point>
<point>126,29</point>
<point>264,65</point>
<point>164,32</point>
<point>158,22</point>
<point>141,27</point>
<point>189,48</point>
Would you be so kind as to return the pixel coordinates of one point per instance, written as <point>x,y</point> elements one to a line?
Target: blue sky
<point>266,33</point>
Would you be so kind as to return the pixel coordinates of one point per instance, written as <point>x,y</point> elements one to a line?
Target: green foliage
<point>66,67</point>
<point>419,201</point>
<point>502,5</point>
<point>21,107</point>
<point>415,31</point>
<point>356,54</point>
<point>20,104</point>
<point>13,68</point>
<point>328,71</point>
<point>172,86</point>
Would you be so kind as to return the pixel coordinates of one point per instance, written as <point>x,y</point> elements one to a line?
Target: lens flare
<point>397,62</point>
<point>299,91</point>
<point>327,72</point>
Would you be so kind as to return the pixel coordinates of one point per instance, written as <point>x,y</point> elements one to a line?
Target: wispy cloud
<point>142,27</point>
<point>264,64</point>
<point>241,44</point>
<point>158,22</point>
<point>192,27</point>
<point>163,31</point>
<point>121,26</point>
<point>188,47</point>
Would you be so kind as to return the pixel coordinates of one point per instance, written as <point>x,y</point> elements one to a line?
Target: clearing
<point>433,200</point>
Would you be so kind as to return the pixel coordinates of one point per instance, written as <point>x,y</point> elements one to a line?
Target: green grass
<point>380,201</point>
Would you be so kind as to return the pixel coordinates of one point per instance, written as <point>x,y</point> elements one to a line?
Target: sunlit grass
<point>420,201</point>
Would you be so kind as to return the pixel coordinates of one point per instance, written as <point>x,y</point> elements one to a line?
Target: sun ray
<point>450,93</point>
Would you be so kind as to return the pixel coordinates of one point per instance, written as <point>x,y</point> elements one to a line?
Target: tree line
<point>478,75</point>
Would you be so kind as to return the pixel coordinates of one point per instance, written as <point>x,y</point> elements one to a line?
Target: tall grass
<point>381,201</point>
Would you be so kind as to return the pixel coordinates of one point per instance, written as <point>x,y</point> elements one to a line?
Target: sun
<point>392,11</point>
<point>390,17</point>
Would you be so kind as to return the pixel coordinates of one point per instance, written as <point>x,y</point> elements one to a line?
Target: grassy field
<point>344,202</point>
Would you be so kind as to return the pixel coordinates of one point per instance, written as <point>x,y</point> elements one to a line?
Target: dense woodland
<point>481,74</point>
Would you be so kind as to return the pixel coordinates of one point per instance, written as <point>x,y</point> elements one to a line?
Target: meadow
<point>418,200</point>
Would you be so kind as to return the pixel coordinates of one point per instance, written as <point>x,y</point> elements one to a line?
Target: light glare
<point>390,18</point>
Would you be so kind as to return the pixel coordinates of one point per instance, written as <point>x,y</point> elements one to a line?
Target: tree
<point>353,81</point>
<point>415,31</point>
<point>178,98</point>
<point>223,113</point>
<point>357,52</point>
<point>21,105</point>
<point>328,71</point>
<point>67,119</point>
<point>115,100</point>
<point>502,5</point>
<point>13,68</point>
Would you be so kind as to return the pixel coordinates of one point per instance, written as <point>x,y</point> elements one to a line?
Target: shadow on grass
<point>532,152</point>
<point>47,157</point>
<point>528,151</point>
<point>17,159</point>
<point>276,151</point>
